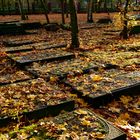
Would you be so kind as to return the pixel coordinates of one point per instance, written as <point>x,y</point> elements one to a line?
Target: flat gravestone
<point>31,25</point>
<point>9,21</point>
<point>11,74</point>
<point>41,56</point>
<point>49,46</point>
<point>99,87</point>
<point>11,28</point>
<point>61,69</point>
<point>104,21</point>
<point>34,46</point>
<point>81,124</point>
<point>36,98</point>
<point>18,49</point>
<point>16,42</point>
<point>52,27</point>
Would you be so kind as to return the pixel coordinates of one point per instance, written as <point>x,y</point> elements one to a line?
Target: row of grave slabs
<point>18,27</point>
<point>95,84</point>
<point>34,98</point>
<point>40,102</point>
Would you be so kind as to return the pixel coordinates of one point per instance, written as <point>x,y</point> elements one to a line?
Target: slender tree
<point>45,10</point>
<point>28,6</point>
<point>23,17</point>
<point>3,7</point>
<point>66,8</point>
<point>9,7</point>
<point>105,5</point>
<point>74,25</point>
<point>125,20</point>
<point>99,2</point>
<point>62,11</point>
<point>89,11</point>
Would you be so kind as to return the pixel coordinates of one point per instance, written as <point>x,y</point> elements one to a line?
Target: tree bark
<point>28,6</point>
<point>45,10</point>
<point>23,17</point>
<point>62,11</point>
<point>3,7</point>
<point>9,7</point>
<point>105,6</point>
<point>89,10</point>
<point>99,6</point>
<point>125,21</point>
<point>66,9</point>
<point>74,25</point>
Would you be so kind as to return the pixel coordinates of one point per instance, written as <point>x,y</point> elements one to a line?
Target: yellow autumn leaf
<point>85,122</point>
<point>53,79</point>
<point>74,136</point>
<point>75,127</point>
<point>3,137</point>
<point>31,96</point>
<point>73,95</point>
<point>96,78</point>
<point>62,126</point>
<point>113,109</point>
<point>121,122</point>
<point>95,87</point>
<point>80,111</point>
<point>81,102</point>
<point>134,110</point>
<point>79,88</point>
<point>125,116</point>
<point>33,138</point>
<point>125,99</point>
<point>136,135</point>
<point>97,135</point>
<point>17,95</point>
<point>23,136</point>
<point>83,137</point>
<point>123,119</point>
<point>100,136</point>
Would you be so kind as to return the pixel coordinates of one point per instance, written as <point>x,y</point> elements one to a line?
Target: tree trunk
<point>89,10</point>
<point>45,10</point>
<point>105,6</point>
<point>125,21</point>
<point>66,9</point>
<point>28,6</point>
<point>99,6</point>
<point>3,9</point>
<point>62,11</point>
<point>94,6</point>
<point>9,7</point>
<point>23,17</point>
<point>74,25</point>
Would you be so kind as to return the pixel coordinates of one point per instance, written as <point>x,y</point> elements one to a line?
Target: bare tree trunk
<point>99,6</point>
<point>28,6</point>
<point>23,17</point>
<point>3,9</point>
<point>105,6</point>
<point>74,25</point>
<point>45,10</point>
<point>66,9</point>
<point>62,11</point>
<point>89,10</point>
<point>9,7</point>
<point>125,21</point>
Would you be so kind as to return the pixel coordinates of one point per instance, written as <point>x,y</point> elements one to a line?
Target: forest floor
<point>99,44</point>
